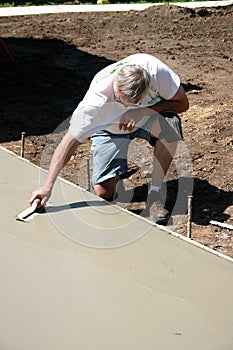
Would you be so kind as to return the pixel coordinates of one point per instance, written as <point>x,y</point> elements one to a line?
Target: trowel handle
<point>36,203</point>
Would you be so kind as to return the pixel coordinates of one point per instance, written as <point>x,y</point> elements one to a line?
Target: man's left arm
<point>178,103</point>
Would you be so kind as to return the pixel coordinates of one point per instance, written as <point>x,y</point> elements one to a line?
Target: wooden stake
<point>189,224</point>
<point>117,178</point>
<point>88,174</point>
<point>23,133</point>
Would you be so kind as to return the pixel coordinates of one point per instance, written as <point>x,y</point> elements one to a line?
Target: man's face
<point>120,98</point>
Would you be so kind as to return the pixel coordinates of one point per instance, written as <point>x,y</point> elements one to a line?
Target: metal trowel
<point>26,213</point>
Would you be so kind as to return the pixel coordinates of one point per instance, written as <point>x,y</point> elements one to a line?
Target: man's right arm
<point>61,156</point>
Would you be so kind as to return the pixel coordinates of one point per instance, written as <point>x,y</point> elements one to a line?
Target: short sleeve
<point>167,82</point>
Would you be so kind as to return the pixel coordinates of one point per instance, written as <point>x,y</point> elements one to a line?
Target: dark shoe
<point>155,206</point>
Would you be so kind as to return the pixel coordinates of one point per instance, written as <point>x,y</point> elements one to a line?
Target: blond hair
<point>132,81</point>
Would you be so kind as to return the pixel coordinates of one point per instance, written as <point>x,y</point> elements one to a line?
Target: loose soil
<point>54,59</point>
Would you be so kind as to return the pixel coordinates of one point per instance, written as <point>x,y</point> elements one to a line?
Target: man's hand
<point>130,119</point>
<point>42,194</point>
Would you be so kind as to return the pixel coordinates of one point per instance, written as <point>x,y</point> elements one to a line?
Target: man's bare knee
<point>105,189</point>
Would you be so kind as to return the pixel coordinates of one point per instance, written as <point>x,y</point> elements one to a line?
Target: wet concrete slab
<point>89,275</point>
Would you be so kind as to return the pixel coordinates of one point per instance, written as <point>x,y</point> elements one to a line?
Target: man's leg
<point>163,156</point>
<point>109,161</point>
<point>164,139</point>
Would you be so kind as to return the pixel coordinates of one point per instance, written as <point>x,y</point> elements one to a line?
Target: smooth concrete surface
<point>157,292</point>
<point>32,10</point>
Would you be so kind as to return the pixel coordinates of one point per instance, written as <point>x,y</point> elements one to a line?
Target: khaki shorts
<point>110,150</point>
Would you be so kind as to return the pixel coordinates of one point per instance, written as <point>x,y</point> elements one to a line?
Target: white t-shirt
<point>100,111</point>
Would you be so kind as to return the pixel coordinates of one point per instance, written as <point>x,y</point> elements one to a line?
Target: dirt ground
<point>55,58</point>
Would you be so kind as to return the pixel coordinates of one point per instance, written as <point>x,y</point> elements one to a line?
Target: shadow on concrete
<point>74,205</point>
<point>209,202</point>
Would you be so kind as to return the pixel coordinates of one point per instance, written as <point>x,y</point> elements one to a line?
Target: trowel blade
<point>28,211</point>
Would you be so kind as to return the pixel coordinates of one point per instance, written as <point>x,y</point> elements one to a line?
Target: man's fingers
<point>42,194</point>
<point>43,202</point>
<point>35,195</point>
<point>123,126</point>
<point>131,125</point>
<point>127,125</point>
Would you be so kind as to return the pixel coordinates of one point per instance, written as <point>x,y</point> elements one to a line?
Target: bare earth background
<point>56,57</point>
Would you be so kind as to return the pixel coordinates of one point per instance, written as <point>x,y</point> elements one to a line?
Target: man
<point>138,96</point>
